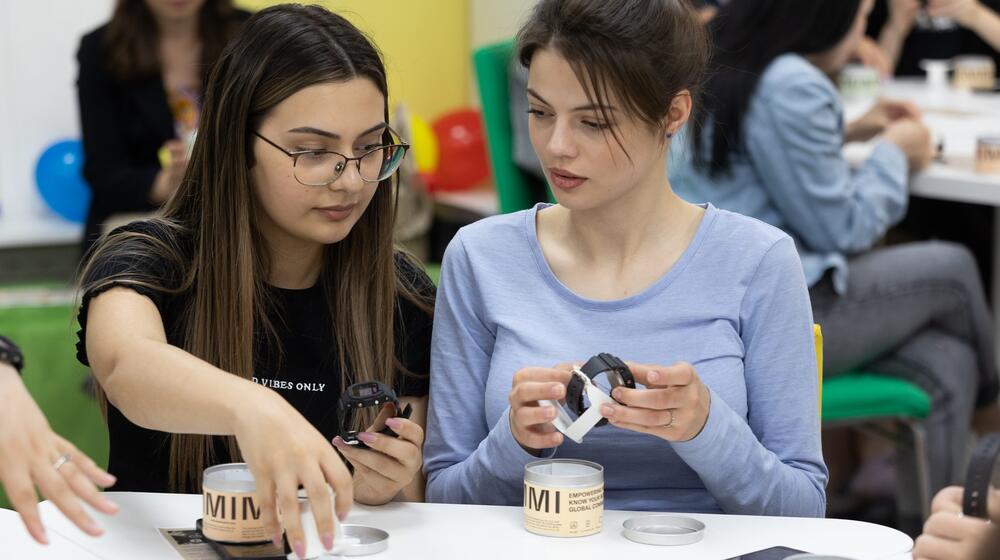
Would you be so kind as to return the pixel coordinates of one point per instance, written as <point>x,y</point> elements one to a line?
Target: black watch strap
<point>11,354</point>
<point>619,375</point>
<point>978,476</point>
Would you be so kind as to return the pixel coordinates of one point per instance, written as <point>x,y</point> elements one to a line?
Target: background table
<point>15,543</point>
<point>444,531</point>
<point>957,118</point>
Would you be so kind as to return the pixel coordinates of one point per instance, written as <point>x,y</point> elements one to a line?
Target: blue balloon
<point>59,175</point>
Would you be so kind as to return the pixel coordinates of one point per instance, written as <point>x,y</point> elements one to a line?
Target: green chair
<point>861,398</point>
<point>515,190</point>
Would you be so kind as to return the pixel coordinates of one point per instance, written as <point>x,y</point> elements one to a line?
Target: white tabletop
<point>16,543</point>
<point>443,531</point>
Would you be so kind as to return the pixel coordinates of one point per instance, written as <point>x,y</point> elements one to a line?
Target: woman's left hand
<point>389,465</point>
<point>674,405</point>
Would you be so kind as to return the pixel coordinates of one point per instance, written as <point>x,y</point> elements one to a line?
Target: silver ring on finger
<point>671,422</point>
<point>62,460</point>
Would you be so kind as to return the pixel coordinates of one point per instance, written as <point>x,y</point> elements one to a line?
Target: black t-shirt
<point>928,44</point>
<point>307,374</point>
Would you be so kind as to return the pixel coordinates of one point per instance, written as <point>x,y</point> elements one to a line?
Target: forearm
<point>161,387</point>
<point>891,41</point>
<point>986,24</point>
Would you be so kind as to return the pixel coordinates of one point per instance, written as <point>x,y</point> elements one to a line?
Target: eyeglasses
<point>319,168</point>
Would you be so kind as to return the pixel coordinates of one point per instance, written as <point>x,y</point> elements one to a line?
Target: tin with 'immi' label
<point>563,498</point>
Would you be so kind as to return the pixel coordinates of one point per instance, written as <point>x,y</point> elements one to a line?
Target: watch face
<point>364,390</point>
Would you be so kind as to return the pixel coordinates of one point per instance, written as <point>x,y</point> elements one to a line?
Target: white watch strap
<point>586,422</point>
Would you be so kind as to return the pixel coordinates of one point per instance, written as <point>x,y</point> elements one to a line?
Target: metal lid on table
<point>664,530</point>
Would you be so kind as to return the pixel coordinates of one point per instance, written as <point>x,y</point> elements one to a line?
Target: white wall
<point>38,43</point>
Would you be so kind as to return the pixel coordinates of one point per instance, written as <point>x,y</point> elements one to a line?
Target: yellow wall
<point>425,44</point>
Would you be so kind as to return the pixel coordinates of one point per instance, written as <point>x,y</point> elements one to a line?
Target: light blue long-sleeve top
<point>735,305</point>
<point>794,176</point>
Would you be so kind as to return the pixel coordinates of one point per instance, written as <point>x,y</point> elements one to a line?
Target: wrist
<point>250,403</point>
<point>8,374</point>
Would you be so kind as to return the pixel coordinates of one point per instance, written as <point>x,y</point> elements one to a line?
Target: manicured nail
<point>367,437</point>
<point>93,527</point>
<point>299,548</point>
<point>394,423</point>
<point>654,375</point>
<point>607,411</point>
<point>107,479</point>
<point>276,541</point>
<point>550,412</point>
<point>617,393</point>
<point>327,541</point>
<point>342,516</point>
<point>339,442</point>
<point>557,391</point>
<point>109,504</point>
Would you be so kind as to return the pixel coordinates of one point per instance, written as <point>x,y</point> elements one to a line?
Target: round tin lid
<point>669,530</point>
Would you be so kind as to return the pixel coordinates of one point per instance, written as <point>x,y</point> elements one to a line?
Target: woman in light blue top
<point>768,144</point>
<point>711,307</point>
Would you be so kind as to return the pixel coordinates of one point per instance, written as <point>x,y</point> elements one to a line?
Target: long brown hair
<point>644,51</point>
<point>281,50</point>
<point>132,36</point>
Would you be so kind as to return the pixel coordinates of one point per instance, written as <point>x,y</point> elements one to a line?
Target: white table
<point>442,532</point>
<point>16,543</point>
<point>958,118</point>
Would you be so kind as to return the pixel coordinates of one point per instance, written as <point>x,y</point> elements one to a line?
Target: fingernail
<point>607,411</point>
<point>108,479</point>
<point>617,394</point>
<point>338,442</point>
<point>110,505</point>
<point>327,541</point>
<point>342,516</point>
<point>556,391</point>
<point>550,412</point>
<point>94,527</point>
<point>367,437</point>
<point>654,375</point>
<point>276,540</point>
<point>299,548</point>
<point>394,423</point>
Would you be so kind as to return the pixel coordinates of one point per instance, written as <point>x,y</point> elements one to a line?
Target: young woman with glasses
<point>228,328</point>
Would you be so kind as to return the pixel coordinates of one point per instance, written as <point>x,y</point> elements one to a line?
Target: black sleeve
<point>413,330</point>
<point>121,184</point>
<point>127,262</point>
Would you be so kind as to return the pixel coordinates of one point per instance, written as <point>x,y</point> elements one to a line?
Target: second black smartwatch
<point>11,354</point>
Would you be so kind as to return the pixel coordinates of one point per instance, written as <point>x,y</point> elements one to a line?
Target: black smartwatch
<point>618,374</point>
<point>979,475</point>
<point>364,395</point>
<point>11,354</point>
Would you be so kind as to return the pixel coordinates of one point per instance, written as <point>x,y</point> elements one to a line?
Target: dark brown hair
<point>131,38</point>
<point>644,52</point>
<point>281,50</point>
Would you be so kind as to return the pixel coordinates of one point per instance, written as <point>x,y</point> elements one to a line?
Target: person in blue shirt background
<point>711,307</point>
<point>767,143</point>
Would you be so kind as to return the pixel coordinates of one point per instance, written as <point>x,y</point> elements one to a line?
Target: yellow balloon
<point>424,145</point>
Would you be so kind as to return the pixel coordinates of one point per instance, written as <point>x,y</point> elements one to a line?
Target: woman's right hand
<point>169,178</point>
<point>530,422</point>
<point>914,138</point>
<point>284,451</point>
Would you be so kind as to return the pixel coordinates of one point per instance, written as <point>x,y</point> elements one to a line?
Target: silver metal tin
<point>664,530</point>
<point>229,477</point>
<point>369,540</point>
<point>567,473</point>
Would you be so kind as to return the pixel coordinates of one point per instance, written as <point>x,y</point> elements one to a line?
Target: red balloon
<point>462,145</point>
